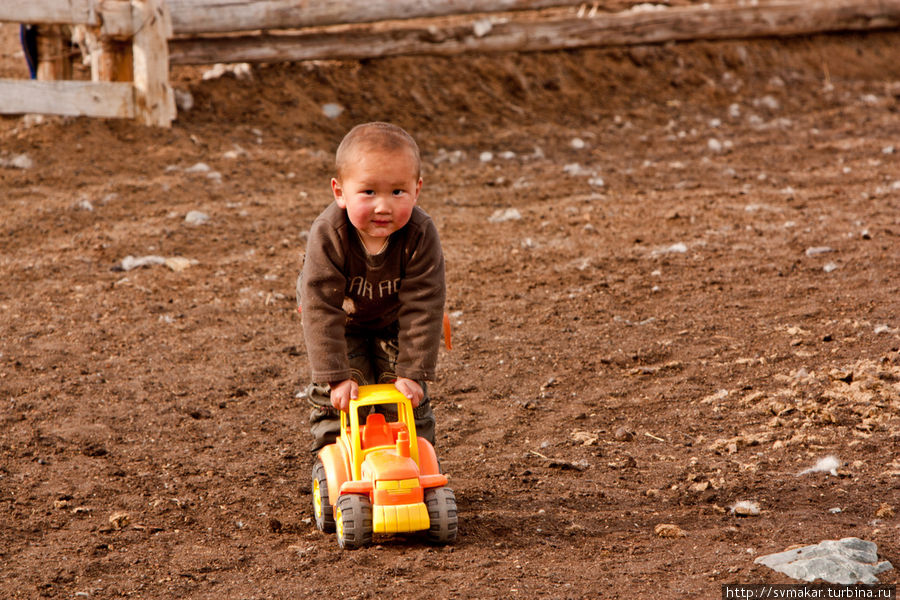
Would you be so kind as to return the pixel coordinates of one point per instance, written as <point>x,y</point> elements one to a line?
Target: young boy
<point>372,286</point>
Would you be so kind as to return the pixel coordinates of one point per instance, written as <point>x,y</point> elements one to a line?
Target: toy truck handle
<point>351,430</point>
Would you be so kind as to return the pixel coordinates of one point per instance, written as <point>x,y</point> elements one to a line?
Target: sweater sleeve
<point>422,295</point>
<point>321,289</point>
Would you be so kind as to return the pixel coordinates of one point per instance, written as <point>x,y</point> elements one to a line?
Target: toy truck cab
<point>379,477</point>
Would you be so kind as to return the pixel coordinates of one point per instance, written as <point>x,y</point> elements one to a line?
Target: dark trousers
<point>373,359</point>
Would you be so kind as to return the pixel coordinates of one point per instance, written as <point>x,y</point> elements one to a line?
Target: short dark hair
<point>376,135</point>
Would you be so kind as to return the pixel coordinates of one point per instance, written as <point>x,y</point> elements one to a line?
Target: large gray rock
<point>847,561</point>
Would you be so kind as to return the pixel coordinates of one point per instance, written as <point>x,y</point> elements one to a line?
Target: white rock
<point>200,167</point>
<point>596,182</point>
<point>714,145</point>
<point>19,161</point>
<point>816,250</point>
<point>502,215</point>
<point>887,150</point>
<point>184,99</point>
<point>769,102</point>
<point>486,157</point>
<point>846,562</point>
<point>830,267</point>
<point>482,27</point>
<point>332,110</point>
<point>85,205</point>
<point>577,143</point>
<point>239,70</point>
<point>679,248</point>
<point>576,170</point>
<point>196,217</point>
<point>131,262</point>
<point>879,329</point>
<point>745,508</point>
<point>830,464</point>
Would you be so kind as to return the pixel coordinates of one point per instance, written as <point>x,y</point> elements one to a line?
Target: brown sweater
<point>344,289</point>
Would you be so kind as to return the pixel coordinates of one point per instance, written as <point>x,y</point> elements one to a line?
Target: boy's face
<point>379,189</point>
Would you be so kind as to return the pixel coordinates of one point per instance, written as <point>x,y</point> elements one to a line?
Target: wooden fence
<point>139,39</point>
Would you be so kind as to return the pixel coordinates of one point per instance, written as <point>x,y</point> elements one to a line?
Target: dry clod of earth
<point>669,530</point>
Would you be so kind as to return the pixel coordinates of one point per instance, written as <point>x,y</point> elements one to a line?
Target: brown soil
<point>647,351</point>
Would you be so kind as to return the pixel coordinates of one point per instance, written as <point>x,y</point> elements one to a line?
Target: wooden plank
<point>786,18</point>
<point>219,16</point>
<point>54,53</point>
<point>70,98</point>
<point>153,96</point>
<point>66,12</point>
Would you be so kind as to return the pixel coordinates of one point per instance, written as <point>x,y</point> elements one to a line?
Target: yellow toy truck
<point>378,477</point>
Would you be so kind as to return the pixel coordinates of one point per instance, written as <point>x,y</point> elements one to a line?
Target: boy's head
<point>377,180</point>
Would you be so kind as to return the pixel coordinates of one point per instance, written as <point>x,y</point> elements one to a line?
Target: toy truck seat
<point>376,432</point>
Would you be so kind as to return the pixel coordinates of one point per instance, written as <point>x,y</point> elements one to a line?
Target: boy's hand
<point>342,393</point>
<point>410,389</point>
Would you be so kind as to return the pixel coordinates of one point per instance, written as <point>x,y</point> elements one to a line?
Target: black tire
<point>441,503</point>
<point>321,503</point>
<point>354,521</point>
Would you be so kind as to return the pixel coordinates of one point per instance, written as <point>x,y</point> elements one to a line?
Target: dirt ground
<point>696,300</point>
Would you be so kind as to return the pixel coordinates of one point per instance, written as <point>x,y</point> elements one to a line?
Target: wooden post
<point>154,99</point>
<point>115,61</point>
<point>54,57</point>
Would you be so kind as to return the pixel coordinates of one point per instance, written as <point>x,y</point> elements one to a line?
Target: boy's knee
<point>425,421</point>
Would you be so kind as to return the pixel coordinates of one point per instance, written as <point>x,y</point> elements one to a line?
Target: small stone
<point>669,530</point>
<point>180,263</point>
<point>577,143</point>
<point>332,110</point>
<point>714,145</point>
<point>19,161</point>
<point>118,520</point>
<point>830,267</point>
<point>196,217</point>
<point>585,438</point>
<point>745,508</point>
<point>482,27</point>
<point>816,250</point>
<point>700,486</point>
<point>486,157</point>
<point>184,99</point>
<point>621,434</point>
<point>502,215</point>
<point>200,167</point>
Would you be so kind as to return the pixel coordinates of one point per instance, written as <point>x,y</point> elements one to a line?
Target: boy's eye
<point>398,192</point>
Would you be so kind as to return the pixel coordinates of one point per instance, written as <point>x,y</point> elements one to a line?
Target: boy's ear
<point>418,189</point>
<point>338,192</point>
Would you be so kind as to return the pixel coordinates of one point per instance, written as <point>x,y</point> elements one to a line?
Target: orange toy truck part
<point>379,477</point>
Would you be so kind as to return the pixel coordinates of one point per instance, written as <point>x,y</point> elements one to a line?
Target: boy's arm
<point>422,294</point>
<point>320,289</point>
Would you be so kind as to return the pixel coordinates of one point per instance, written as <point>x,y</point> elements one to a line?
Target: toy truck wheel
<point>321,502</point>
<point>353,520</point>
<point>441,503</point>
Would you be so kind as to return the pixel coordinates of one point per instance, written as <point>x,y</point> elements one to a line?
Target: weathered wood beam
<point>48,12</point>
<point>153,95</point>
<point>786,18</point>
<point>219,16</point>
<point>70,98</point>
